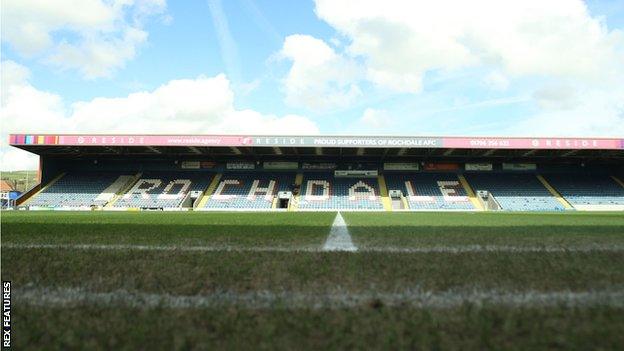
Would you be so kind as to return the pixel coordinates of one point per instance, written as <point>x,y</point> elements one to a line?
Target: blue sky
<point>329,67</point>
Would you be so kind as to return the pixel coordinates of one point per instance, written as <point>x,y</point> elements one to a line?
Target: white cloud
<point>13,74</point>
<point>373,119</point>
<point>572,59</point>
<point>26,108</point>
<point>496,81</point>
<point>95,37</point>
<point>401,40</point>
<point>194,106</point>
<point>318,78</point>
<point>557,97</point>
<point>17,160</point>
<point>569,113</point>
<point>95,58</point>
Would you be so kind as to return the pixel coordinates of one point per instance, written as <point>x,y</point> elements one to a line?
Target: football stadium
<point>316,173</point>
<point>312,175</point>
<point>332,242</point>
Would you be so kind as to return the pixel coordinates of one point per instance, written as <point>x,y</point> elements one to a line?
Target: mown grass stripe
<point>66,297</point>
<point>431,249</point>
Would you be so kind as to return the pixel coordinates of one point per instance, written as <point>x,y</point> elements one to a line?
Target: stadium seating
<point>588,190</point>
<point>248,190</point>
<point>164,190</point>
<point>516,192</point>
<point>75,190</point>
<point>431,191</point>
<point>322,191</point>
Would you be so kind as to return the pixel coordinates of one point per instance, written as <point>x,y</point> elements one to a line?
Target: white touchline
<point>456,249</point>
<point>339,238</point>
<point>266,299</point>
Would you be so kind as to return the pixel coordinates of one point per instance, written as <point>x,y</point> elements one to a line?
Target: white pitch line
<point>498,248</point>
<point>458,249</point>
<point>137,247</point>
<point>339,238</point>
<point>417,298</point>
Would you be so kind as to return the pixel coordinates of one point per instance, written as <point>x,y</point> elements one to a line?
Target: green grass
<point>465,328</point>
<point>168,228</point>
<point>367,324</point>
<point>188,273</point>
<point>309,230</point>
<point>427,229</point>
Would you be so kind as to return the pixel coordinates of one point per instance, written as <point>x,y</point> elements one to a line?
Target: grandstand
<point>162,190</point>
<point>248,191</point>
<point>78,190</point>
<point>431,191</point>
<point>314,173</point>
<point>517,192</point>
<point>325,191</point>
<point>590,191</point>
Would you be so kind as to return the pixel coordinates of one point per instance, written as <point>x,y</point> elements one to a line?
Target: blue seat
<point>163,189</point>
<point>580,189</point>
<point>233,190</point>
<point>516,192</point>
<point>76,189</point>
<point>430,191</point>
<point>340,193</point>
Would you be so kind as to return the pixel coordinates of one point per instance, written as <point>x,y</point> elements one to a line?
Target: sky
<point>354,67</point>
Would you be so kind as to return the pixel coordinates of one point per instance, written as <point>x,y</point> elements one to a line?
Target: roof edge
<point>363,141</point>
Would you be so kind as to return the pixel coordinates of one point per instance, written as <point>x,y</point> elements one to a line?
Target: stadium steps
<point>28,194</point>
<point>383,192</point>
<point>617,180</point>
<point>471,194</point>
<point>114,188</point>
<point>554,192</point>
<point>123,190</point>
<point>211,188</point>
<point>294,204</point>
<point>405,202</point>
<point>25,201</point>
<point>198,202</point>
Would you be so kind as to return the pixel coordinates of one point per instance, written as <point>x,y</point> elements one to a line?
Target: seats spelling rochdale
<point>430,191</point>
<point>322,191</point>
<point>163,189</point>
<point>516,192</point>
<point>74,190</point>
<point>249,190</point>
<point>582,190</point>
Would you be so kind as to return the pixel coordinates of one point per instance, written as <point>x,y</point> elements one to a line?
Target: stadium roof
<point>6,186</point>
<point>307,145</point>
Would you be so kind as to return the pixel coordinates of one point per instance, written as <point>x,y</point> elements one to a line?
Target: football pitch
<point>294,280</point>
